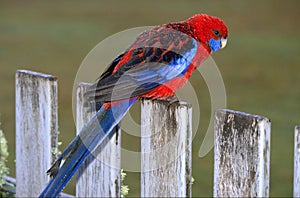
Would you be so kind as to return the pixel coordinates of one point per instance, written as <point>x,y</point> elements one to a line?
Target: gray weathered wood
<point>36,130</point>
<point>10,187</point>
<point>166,149</point>
<point>297,162</point>
<point>102,176</point>
<point>242,155</point>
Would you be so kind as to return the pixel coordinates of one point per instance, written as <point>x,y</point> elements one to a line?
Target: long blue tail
<point>93,133</point>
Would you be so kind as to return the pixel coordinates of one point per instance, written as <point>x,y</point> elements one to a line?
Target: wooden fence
<point>241,152</point>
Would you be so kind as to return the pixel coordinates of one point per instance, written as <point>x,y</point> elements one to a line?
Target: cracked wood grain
<point>241,154</point>
<point>166,146</point>
<point>36,130</point>
<point>100,173</point>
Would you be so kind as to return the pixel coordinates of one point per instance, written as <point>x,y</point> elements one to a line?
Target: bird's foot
<point>170,100</point>
<point>173,99</point>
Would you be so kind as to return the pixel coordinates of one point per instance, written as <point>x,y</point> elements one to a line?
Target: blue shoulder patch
<point>180,65</point>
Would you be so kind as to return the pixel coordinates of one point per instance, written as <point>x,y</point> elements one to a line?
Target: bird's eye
<point>216,32</point>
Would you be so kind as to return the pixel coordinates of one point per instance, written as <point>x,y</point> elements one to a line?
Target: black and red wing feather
<point>157,56</point>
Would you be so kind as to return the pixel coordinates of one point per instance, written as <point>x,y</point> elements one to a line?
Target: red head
<point>209,30</point>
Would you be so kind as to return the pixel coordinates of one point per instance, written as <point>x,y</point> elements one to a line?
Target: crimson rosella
<point>158,63</point>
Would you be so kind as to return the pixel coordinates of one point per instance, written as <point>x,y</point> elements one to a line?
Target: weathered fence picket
<point>36,130</point>
<point>102,176</point>
<point>297,162</point>
<point>166,149</point>
<point>242,155</point>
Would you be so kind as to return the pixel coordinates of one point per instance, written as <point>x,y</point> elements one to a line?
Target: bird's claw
<point>173,99</point>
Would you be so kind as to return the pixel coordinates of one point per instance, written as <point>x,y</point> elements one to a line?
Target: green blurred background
<point>260,65</point>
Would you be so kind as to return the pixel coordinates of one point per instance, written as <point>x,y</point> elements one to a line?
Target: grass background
<point>260,65</point>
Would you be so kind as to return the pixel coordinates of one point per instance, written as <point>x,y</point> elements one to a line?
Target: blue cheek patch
<point>214,45</point>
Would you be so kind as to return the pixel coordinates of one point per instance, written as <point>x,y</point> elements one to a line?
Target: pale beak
<point>223,42</point>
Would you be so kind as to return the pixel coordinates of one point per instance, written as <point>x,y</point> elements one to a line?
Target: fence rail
<point>241,155</point>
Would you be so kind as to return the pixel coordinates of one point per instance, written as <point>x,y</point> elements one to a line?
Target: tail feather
<point>94,132</point>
